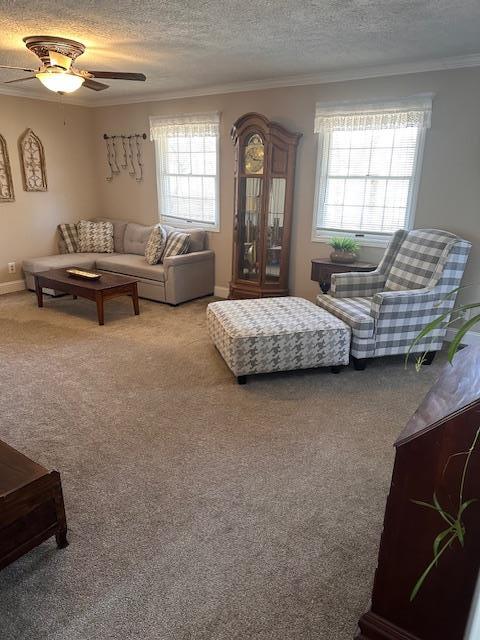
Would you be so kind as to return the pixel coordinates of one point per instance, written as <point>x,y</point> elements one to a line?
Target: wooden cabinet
<point>31,505</point>
<point>265,155</point>
<point>430,460</point>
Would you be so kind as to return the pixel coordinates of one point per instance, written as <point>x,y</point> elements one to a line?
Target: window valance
<point>414,111</point>
<point>192,124</point>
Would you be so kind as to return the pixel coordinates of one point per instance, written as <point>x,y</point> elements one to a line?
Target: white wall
<point>27,225</point>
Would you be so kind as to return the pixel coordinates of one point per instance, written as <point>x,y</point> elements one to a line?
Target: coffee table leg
<point>100,313</point>
<point>136,308</point>
<point>39,292</point>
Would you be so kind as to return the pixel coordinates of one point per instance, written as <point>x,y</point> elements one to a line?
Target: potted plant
<point>345,250</point>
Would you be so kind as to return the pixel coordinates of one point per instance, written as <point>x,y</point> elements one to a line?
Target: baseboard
<point>221,292</point>
<point>471,337</point>
<point>11,287</point>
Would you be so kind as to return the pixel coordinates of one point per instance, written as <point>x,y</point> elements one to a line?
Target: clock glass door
<point>275,225</point>
<point>249,219</point>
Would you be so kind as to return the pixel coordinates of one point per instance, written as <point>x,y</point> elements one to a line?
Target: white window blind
<point>186,150</point>
<point>369,165</point>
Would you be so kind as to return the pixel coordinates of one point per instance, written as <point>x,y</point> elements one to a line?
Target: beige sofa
<point>178,279</point>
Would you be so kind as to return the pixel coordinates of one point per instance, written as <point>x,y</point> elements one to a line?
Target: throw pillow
<point>95,237</point>
<point>178,243</point>
<point>68,237</point>
<point>156,244</point>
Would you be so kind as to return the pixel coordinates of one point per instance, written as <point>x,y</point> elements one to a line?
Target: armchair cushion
<point>418,259</point>
<point>353,311</point>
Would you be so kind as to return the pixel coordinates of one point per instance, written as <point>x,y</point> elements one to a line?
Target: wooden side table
<point>322,269</point>
<point>31,505</point>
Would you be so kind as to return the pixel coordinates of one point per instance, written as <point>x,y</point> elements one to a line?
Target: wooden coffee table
<point>110,285</point>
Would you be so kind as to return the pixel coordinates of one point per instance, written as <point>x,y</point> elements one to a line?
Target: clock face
<point>254,155</point>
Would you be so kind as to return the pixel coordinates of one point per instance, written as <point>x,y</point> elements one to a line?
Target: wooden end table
<point>322,269</point>
<point>110,285</point>
<point>31,505</point>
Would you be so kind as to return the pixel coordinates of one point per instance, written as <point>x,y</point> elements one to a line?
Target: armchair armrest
<point>429,301</point>
<point>357,284</point>
<point>188,258</point>
<point>189,276</point>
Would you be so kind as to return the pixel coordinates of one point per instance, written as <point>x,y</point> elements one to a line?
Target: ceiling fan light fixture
<point>60,82</point>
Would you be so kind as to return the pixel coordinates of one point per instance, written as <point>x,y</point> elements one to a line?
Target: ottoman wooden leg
<point>335,369</point>
<point>242,379</point>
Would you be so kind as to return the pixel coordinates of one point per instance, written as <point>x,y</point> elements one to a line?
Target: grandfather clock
<point>265,155</point>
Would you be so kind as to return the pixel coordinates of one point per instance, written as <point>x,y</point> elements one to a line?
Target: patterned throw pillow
<point>95,237</point>
<point>156,244</point>
<point>178,243</point>
<point>68,237</point>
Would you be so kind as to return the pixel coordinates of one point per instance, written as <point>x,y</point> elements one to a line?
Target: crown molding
<point>325,77</point>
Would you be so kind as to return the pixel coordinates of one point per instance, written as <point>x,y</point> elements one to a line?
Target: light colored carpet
<point>198,509</point>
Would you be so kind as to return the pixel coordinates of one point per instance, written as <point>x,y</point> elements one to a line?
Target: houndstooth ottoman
<point>277,334</point>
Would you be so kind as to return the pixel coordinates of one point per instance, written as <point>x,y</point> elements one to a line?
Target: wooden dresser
<point>31,505</point>
<point>430,459</point>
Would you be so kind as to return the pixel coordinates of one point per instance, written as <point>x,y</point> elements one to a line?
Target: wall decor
<point>6,184</point>
<point>32,160</point>
<point>125,152</point>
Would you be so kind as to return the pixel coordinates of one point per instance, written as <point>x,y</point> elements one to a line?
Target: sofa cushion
<point>198,239</point>
<point>95,237</point>
<point>131,264</point>
<point>62,261</point>
<point>136,238</point>
<point>156,244</point>
<point>119,227</point>
<point>178,243</point>
<point>68,237</point>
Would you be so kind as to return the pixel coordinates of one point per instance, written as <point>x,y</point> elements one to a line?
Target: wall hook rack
<point>125,152</point>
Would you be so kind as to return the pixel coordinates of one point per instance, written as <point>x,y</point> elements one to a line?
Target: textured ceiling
<point>187,45</point>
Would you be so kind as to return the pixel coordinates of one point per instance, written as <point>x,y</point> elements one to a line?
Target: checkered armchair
<point>388,307</point>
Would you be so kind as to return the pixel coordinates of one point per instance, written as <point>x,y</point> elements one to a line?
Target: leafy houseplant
<point>344,249</point>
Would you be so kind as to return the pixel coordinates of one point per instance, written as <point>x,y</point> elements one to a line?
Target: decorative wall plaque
<point>6,184</point>
<point>32,160</point>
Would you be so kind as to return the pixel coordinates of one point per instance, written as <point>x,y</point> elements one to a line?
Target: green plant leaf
<point>466,504</point>
<point>422,578</point>
<point>438,540</point>
<point>453,348</point>
<point>445,515</point>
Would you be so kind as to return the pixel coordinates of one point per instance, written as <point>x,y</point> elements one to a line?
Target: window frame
<point>183,223</point>
<point>365,238</point>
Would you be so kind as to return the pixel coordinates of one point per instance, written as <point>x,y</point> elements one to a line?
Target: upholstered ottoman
<point>277,334</point>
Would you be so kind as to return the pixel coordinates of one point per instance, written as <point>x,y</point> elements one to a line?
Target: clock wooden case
<point>265,155</point>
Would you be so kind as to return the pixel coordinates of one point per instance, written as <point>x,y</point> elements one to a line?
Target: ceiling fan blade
<point>3,66</point>
<point>96,86</point>
<point>59,60</point>
<point>118,75</point>
<point>19,80</point>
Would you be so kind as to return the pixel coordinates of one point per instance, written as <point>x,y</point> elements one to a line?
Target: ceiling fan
<point>57,71</point>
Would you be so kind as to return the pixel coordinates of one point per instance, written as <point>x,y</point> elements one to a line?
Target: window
<point>186,151</point>
<point>368,167</point>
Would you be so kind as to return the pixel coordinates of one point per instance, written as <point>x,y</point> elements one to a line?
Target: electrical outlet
<point>12,267</point>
